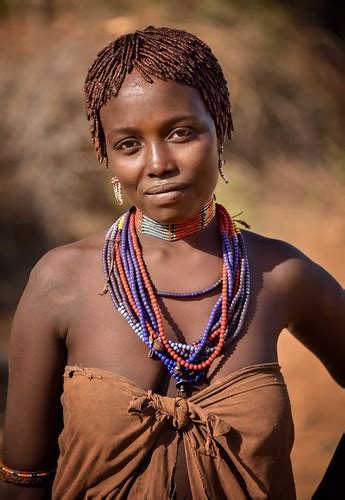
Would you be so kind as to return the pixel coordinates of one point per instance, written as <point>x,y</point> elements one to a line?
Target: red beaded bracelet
<point>9,475</point>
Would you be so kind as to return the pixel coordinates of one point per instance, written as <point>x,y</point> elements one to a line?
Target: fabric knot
<point>175,408</point>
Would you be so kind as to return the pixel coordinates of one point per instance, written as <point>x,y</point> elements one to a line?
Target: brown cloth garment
<point>120,441</point>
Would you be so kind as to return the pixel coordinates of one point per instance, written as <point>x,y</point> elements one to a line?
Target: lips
<point>167,187</point>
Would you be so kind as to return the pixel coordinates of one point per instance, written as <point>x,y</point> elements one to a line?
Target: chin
<point>172,212</point>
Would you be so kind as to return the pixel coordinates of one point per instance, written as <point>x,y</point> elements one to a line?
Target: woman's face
<point>162,146</point>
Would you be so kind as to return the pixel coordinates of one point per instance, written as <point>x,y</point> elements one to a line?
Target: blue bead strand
<point>236,264</point>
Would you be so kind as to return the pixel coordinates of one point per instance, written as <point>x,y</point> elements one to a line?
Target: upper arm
<point>316,313</point>
<point>37,357</point>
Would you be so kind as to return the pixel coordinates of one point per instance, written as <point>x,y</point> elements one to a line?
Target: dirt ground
<point>298,206</point>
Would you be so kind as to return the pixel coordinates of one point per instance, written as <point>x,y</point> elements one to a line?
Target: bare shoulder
<point>280,258</point>
<point>299,278</point>
<point>61,265</point>
<point>54,285</point>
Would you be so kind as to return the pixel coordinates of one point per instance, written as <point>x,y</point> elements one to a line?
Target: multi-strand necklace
<point>135,297</point>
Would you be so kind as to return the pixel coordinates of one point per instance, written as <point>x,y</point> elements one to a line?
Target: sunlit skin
<point>162,135</point>
<point>169,139</point>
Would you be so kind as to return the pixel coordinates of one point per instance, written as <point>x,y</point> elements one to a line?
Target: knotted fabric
<point>182,415</point>
<point>176,408</point>
<point>237,435</point>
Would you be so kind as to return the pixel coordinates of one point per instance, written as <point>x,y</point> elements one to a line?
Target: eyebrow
<point>170,121</point>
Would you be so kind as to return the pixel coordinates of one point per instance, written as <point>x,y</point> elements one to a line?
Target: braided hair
<point>163,53</point>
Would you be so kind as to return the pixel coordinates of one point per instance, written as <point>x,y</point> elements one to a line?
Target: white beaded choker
<point>173,232</point>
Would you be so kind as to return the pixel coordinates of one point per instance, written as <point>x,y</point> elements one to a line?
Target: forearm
<point>10,491</point>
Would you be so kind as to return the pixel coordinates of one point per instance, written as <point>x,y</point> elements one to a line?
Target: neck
<point>176,231</point>
<point>206,240</point>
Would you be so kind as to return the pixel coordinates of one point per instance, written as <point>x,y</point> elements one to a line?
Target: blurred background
<point>285,63</point>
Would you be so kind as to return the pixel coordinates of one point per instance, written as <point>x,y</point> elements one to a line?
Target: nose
<point>158,160</point>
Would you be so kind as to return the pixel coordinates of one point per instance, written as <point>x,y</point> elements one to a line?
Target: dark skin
<point>155,134</point>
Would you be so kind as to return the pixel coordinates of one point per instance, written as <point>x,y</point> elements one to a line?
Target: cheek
<point>118,163</point>
<point>124,169</point>
<point>201,158</point>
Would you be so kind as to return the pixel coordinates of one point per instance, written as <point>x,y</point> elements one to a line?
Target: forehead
<point>141,101</point>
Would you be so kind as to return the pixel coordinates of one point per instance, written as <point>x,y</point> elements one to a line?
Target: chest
<point>98,336</point>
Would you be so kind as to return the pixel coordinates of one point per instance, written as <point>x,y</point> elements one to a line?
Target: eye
<point>127,146</point>
<point>180,134</point>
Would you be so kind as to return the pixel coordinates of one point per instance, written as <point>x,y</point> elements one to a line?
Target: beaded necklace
<point>174,232</point>
<point>184,295</point>
<point>135,297</point>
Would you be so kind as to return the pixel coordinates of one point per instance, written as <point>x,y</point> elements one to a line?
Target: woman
<point>176,391</point>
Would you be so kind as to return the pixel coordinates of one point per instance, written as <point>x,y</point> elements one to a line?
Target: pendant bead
<point>158,346</point>
<point>182,387</point>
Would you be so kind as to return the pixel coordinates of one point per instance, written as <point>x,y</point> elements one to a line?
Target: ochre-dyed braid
<point>163,53</point>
